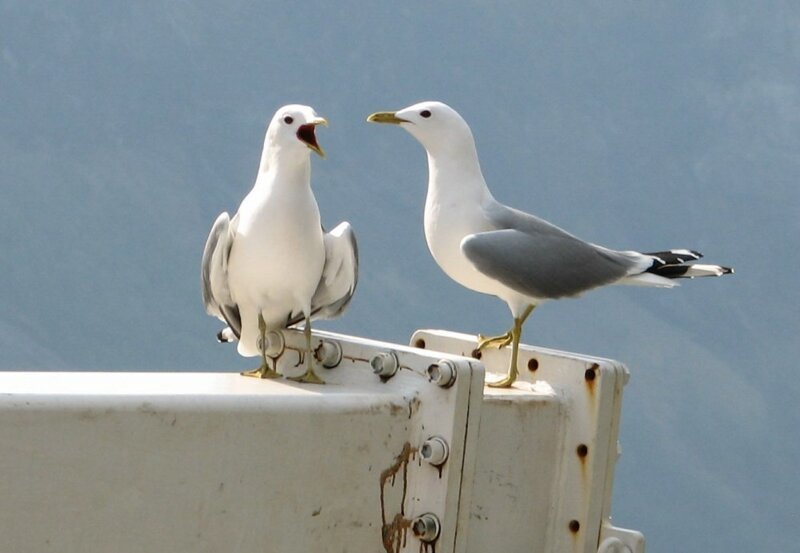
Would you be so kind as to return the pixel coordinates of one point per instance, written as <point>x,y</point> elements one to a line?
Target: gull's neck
<point>281,166</point>
<point>455,177</point>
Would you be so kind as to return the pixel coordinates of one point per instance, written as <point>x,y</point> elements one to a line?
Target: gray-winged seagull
<point>522,259</point>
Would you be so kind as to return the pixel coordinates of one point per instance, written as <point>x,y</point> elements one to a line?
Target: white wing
<point>339,275</point>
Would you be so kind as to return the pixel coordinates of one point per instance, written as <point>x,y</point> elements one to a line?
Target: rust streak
<point>590,376</point>
<point>427,547</point>
<point>395,532</point>
<point>354,358</point>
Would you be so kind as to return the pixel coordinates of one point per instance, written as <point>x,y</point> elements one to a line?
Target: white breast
<point>446,225</point>
<point>278,253</point>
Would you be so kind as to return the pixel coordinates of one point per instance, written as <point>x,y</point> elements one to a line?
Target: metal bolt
<point>613,545</point>
<point>385,364</point>
<point>435,451</point>
<point>329,354</point>
<point>442,373</point>
<point>275,343</point>
<point>426,527</point>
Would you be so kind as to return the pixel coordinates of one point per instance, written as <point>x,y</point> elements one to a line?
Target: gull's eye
<point>425,113</point>
<point>288,119</point>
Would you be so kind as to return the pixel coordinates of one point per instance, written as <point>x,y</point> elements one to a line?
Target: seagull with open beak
<point>267,268</point>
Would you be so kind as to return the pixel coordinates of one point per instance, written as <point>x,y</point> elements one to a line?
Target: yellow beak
<point>306,134</point>
<point>386,117</point>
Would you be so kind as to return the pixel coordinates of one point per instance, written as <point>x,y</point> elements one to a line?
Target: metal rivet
<point>589,374</point>
<point>574,526</point>
<point>442,373</point>
<point>582,450</point>
<point>419,343</point>
<point>533,364</point>
<point>329,354</point>
<point>275,344</point>
<point>435,451</point>
<point>426,527</point>
<point>613,545</point>
<point>385,364</point>
<point>476,354</point>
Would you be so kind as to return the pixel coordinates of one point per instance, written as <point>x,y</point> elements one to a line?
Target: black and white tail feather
<point>673,264</point>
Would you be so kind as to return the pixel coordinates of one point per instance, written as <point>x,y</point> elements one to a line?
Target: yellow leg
<point>309,376</point>
<point>263,371</point>
<point>516,334</point>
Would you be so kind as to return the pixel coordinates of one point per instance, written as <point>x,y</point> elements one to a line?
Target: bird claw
<point>309,377</point>
<point>261,372</point>
<point>497,342</point>
<point>504,382</point>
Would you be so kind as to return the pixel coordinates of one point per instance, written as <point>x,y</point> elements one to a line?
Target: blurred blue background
<point>125,128</point>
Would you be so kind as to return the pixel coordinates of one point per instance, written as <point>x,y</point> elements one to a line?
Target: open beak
<point>305,133</point>
<point>386,117</point>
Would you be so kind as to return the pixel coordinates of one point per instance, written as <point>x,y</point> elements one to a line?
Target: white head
<point>437,126</point>
<point>291,132</point>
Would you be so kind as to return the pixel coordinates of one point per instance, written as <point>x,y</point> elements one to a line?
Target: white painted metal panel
<point>101,462</point>
<point>546,451</point>
<point>129,462</point>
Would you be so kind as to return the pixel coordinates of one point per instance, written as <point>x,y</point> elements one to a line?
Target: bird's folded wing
<point>543,262</point>
<point>214,273</point>
<point>339,275</point>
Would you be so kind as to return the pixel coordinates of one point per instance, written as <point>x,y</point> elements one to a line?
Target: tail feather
<point>226,335</point>
<point>673,257</point>
<point>678,264</point>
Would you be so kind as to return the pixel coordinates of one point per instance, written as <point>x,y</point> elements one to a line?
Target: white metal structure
<point>402,450</point>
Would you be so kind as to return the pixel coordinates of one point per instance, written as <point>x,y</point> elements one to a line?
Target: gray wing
<point>214,273</point>
<point>540,260</point>
<point>339,275</point>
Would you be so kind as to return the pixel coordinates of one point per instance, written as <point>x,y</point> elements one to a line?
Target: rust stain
<point>574,526</point>
<point>583,451</point>
<point>395,532</point>
<point>413,404</point>
<point>591,377</point>
<point>427,547</point>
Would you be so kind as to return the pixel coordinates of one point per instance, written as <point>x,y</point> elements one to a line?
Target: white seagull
<point>494,249</point>
<point>272,265</point>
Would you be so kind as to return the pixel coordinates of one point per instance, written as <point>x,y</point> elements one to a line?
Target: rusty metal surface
<point>546,450</point>
<point>131,462</point>
<point>180,462</point>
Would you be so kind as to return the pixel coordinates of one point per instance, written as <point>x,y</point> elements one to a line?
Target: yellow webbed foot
<point>497,342</point>
<point>309,377</point>
<point>262,372</point>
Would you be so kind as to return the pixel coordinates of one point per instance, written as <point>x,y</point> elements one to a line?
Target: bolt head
<point>385,364</point>
<point>442,373</point>
<point>272,345</point>
<point>329,354</point>
<point>435,451</point>
<point>426,527</point>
